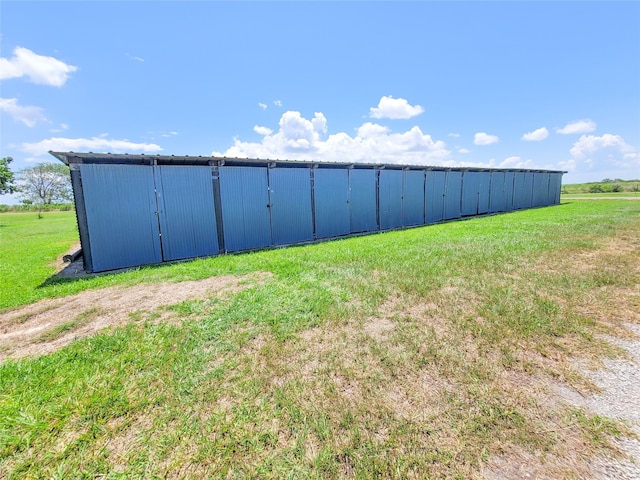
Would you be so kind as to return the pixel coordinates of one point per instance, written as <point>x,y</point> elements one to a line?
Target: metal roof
<point>70,158</point>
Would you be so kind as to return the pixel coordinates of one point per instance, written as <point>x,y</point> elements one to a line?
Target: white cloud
<point>299,138</point>
<point>38,69</point>
<point>454,135</point>
<point>579,126</point>
<point>482,138</point>
<point>517,162</point>
<point>264,131</point>
<point>603,153</point>
<point>169,134</point>
<point>28,115</point>
<point>262,105</point>
<point>371,130</point>
<point>394,108</point>
<point>464,150</point>
<point>277,103</point>
<point>536,135</point>
<point>61,128</point>
<point>94,144</point>
<point>135,57</point>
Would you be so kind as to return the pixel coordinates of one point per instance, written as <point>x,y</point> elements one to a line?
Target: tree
<point>44,184</point>
<point>6,176</point>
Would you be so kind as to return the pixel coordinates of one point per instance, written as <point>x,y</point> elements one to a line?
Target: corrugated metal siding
<point>121,215</point>
<point>519,192</point>
<point>528,190</point>
<point>470,189</point>
<point>497,194</point>
<point>413,198</point>
<point>140,210</point>
<point>187,211</point>
<point>390,199</point>
<point>331,200</point>
<point>508,191</point>
<point>434,196</point>
<point>452,195</point>
<point>362,194</point>
<point>290,200</point>
<point>540,189</point>
<point>555,187</point>
<point>245,213</point>
<point>484,192</point>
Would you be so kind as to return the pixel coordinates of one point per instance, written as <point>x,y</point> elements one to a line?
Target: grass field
<point>411,354</point>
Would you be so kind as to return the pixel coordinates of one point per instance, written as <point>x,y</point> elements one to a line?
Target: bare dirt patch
<point>50,324</point>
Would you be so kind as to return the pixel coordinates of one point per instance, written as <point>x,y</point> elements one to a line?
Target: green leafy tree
<point>6,176</point>
<point>44,184</point>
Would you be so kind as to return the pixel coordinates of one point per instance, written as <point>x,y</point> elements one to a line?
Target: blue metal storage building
<point>139,209</point>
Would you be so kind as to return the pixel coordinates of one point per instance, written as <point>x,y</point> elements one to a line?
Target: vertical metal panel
<point>508,191</point>
<point>484,191</point>
<point>497,194</point>
<point>331,201</point>
<point>555,187</point>
<point>540,189</point>
<point>290,199</point>
<point>470,192</point>
<point>121,215</point>
<point>527,192</point>
<point>434,196</point>
<point>187,211</point>
<point>244,196</point>
<point>413,198</point>
<point>519,193</point>
<point>452,195</point>
<point>362,194</point>
<point>390,199</point>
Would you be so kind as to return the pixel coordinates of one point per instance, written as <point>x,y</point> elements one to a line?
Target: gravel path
<point>620,399</point>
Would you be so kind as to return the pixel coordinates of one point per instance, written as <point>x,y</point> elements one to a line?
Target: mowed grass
<point>423,353</point>
<point>29,248</point>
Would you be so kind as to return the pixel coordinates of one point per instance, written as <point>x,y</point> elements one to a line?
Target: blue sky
<point>497,84</point>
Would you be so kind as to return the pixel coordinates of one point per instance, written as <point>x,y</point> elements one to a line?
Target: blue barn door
<point>484,191</point>
<point>519,191</point>
<point>362,194</point>
<point>244,197</point>
<point>555,187</point>
<point>527,191</point>
<point>390,199</point>
<point>470,192</point>
<point>331,201</point>
<point>497,194</point>
<point>509,178</point>
<point>290,200</point>
<point>413,198</point>
<point>452,195</point>
<point>187,211</point>
<point>540,189</point>
<point>434,196</point>
<point>121,210</point>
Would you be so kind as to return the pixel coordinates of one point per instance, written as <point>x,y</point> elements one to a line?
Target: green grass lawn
<point>410,354</point>
<point>28,248</point>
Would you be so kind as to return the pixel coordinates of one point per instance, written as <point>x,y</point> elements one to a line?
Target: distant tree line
<point>607,185</point>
